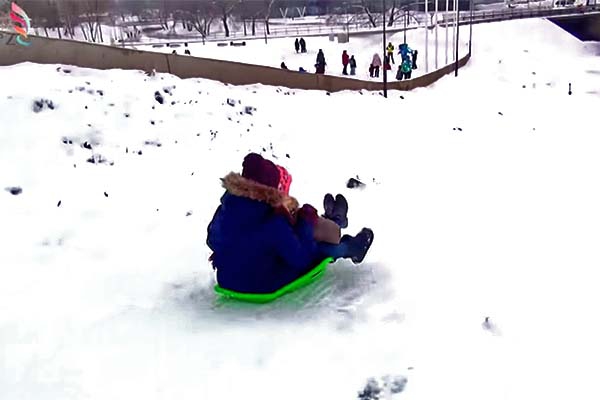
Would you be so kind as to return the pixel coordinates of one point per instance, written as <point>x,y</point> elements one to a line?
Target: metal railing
<point>359,26</point>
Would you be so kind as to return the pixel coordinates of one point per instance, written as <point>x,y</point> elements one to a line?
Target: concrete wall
<point>583,27</point>
<point>55,51</point>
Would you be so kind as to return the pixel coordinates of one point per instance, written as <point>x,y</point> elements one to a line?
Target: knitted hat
<point>260,170</point>
<point>285,180</point>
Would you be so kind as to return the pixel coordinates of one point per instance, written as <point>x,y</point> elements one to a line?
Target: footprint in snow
<point>489,326</point>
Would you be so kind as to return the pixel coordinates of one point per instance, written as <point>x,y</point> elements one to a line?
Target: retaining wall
<point>56,51</point>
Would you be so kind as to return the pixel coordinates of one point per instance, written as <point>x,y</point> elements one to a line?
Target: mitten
<point>309,214</point>
<point>281,210</point>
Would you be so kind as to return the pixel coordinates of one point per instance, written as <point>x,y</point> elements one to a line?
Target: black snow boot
<point>359,245</point>
<point>340,211</point>
<point>328,206</point>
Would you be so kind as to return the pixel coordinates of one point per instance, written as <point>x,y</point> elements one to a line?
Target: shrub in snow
<point>371,391</point>
<point>152,143</point>
<point>249,110</point>
<point>14,190</point>
<point>354,183</point>
<point>158,97</point>
<point>397,383</point>
<point>96,159</point>
<point>41,104</point>
<point>231,102</point>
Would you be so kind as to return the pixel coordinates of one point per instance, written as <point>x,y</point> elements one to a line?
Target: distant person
<point>390,52</point>
<point>297,45</point>
<point>406,68</point>
<point>345,61</point>
<point>386,63</point>
<point>187,52</point>
<point>352,65</point>
<point>376,63</point>
<point>320,65</point>
<point>302,43</point>
<point>399,73</point>
<point>414,59</point>
<point>283,66</point>
<point>404,51</point>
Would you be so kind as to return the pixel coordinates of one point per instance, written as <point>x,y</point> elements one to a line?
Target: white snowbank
<point>481,193</point>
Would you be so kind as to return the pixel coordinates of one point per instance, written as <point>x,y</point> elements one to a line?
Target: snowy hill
<point>481,191</point>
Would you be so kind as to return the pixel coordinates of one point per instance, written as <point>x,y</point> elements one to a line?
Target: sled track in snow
<point>345,290</point>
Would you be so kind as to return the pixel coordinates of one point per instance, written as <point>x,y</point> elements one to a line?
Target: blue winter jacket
<point>255,249</point>
<point>404,50</point>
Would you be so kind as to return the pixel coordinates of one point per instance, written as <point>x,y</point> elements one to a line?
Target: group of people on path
<point>186,52</point>
<point>300,45</point>
<point>408,63</point>
<point>405,68</point>
<point>348,61</point>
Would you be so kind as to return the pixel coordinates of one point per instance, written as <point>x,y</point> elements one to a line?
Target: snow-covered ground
<point>482,192</point>
<point>363,47</point>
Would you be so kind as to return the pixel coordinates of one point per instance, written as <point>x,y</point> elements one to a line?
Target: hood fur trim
<point>237,185</point>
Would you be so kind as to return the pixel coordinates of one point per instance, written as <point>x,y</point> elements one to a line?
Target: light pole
<point>436,34</point>
<point>446,26</point>
<point>470,26</point>
<point>426,36</point>
<point>453,29</point>
<point>457,30</point>
<point>384,40</point>
<point>405,23</point>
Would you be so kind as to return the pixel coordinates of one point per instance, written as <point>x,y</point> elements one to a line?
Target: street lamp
<point>384,54</point>
<point>405,23</point>
<point>457,31</point>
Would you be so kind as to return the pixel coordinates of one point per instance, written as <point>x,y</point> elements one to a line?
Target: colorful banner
<point>22,24</point>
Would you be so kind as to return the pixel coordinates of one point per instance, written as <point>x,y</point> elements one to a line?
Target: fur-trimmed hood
<point>237,185</point>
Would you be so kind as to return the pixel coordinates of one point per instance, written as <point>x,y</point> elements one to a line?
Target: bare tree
<point>69,11</point>
<point>399,8</point>
<point>164,9</point>
<point>92,10</point>
<point>249,10</point>
<point>43,14</point>
<point>225,8</point>
<point>198,15</point>
<point>135,8</point>
<point>267,14</point>
<point>367,7</point>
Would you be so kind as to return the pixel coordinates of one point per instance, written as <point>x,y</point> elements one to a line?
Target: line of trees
<point>65,16</point>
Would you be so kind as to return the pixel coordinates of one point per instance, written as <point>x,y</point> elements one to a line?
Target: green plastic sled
<point>302,281</point>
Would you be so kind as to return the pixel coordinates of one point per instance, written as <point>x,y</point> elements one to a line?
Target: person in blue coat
<point>262,240</point>
<point>404,51</point>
